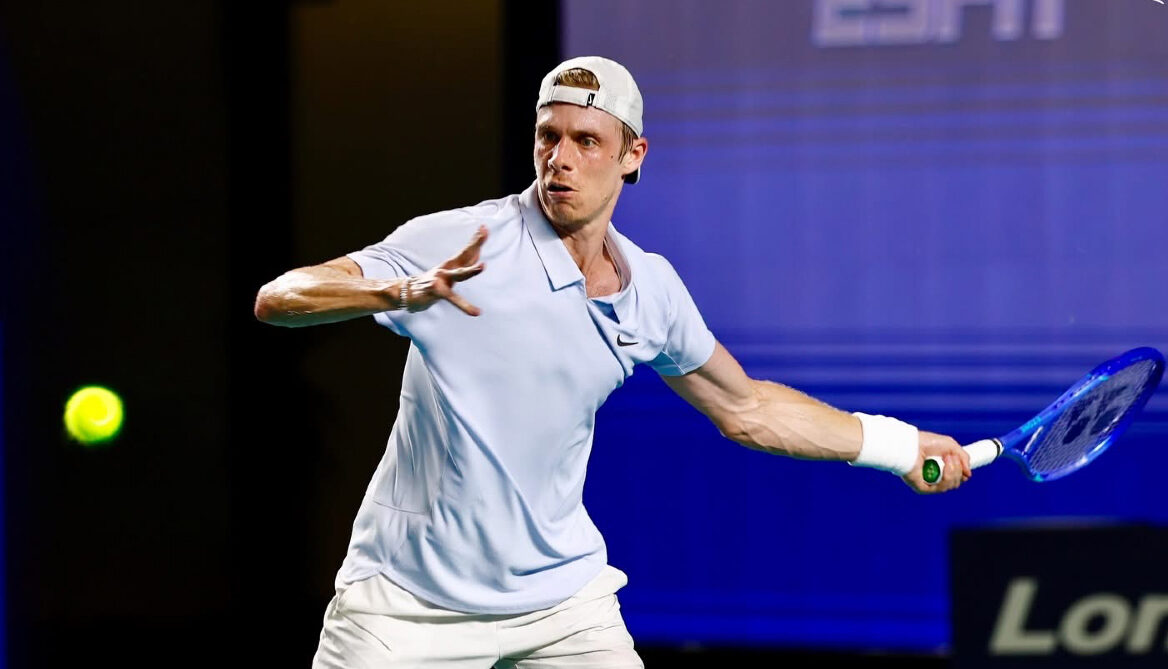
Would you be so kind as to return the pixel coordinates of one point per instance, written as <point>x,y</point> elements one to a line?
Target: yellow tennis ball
<point>93,415</point>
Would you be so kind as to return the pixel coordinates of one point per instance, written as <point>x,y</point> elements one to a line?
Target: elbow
<point>752,434</point>
<point>267,308</point>
<point>282,302</point>
<point>262,310</point>
<point>735,429</point>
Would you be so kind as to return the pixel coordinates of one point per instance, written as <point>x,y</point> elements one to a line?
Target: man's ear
<point>635,156</point>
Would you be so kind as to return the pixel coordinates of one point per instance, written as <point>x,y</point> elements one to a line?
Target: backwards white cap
<point>618,93</point>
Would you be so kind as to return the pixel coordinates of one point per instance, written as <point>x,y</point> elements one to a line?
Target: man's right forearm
<point>315,295</point>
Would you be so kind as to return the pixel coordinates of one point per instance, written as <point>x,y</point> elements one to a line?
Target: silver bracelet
<point>403,297</point>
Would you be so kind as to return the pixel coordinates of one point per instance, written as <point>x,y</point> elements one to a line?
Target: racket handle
<point>981,453</point>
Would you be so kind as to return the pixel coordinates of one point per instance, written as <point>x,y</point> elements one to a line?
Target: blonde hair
<point>581,78</point>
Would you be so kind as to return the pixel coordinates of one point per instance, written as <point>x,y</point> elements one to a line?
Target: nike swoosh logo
<point>622,342</point>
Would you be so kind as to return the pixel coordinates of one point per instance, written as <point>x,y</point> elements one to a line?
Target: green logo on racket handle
<point>931,470</point>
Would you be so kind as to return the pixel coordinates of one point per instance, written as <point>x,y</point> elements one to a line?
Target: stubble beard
<point>564,221</point>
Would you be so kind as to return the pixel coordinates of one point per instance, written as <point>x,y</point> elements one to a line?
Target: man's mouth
<point>558,188</point>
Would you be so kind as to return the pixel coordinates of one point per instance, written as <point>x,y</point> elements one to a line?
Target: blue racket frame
<point>1097,376</point>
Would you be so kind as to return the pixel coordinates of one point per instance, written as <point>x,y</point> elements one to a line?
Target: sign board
<point>1087,595</point>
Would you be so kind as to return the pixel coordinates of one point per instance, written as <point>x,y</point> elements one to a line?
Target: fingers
<point>470,254</point>
<point>445,280</point>
<point>454,276</point>
<point>957,470</point>
<point>437,283</point>
<point>954,471</point>
<point>955,463</point>
<point>466,307</point>
<point>957,460</point>
<point>441,290</point>
<point>463,273</point>
<point>951,477</point>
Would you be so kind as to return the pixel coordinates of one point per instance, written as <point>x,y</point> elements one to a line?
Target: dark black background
<point>158,166</point>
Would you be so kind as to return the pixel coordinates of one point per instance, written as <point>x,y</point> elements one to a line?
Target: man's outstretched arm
<point>778,419</point>
<point>337,290</point>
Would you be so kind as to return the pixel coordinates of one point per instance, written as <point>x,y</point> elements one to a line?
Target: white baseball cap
<point>618,93</point>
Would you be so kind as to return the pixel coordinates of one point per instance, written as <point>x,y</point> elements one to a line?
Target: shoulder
<point>462,221</point>
<point>667,282</point>
<point>657,282</point>
<point>649,269</point>
<point>424,241</point>
<point>662,268</point>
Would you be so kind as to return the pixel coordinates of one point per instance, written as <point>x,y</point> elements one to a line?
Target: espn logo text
<point>843,23</point>
<point>1095,624</point>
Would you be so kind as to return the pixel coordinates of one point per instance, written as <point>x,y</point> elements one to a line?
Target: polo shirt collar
<point>557,262</point>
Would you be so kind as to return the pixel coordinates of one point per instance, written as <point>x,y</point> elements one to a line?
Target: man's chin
<point>562,214</point>
<point>567,223</point>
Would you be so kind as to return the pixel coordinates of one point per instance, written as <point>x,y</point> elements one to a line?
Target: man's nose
<point>558,160</point>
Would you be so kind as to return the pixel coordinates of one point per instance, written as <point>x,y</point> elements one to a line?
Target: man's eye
<point>588,141</point>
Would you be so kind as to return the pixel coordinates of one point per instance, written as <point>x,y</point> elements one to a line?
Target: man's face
<point>578,163</point>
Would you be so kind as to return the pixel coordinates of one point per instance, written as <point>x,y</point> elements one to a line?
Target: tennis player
<point>472,547</point>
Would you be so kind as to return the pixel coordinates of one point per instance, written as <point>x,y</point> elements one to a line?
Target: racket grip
<point>981,453</point>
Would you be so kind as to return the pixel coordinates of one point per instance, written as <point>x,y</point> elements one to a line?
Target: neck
<point>585,243</point>
<point>584,240</point>
<point>583,237</point>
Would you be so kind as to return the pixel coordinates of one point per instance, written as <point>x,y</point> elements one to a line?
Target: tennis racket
<point>1077,427</point>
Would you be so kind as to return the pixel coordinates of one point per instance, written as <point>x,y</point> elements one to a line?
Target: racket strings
<point>1086,422</point>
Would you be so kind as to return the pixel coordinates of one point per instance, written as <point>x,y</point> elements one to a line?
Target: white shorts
<point>376,624</point>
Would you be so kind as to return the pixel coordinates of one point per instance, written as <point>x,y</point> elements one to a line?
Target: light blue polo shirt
<point>476,504</point>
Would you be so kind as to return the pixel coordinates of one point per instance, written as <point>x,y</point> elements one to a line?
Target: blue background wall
<point>945,216</point>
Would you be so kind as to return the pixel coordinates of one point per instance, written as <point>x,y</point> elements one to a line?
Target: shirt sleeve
<point>689,343</point>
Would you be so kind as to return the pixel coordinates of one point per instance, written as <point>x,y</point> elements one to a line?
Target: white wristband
<point>889,444</point>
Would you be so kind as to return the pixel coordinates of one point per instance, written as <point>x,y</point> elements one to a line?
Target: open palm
<point>438,283</point>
